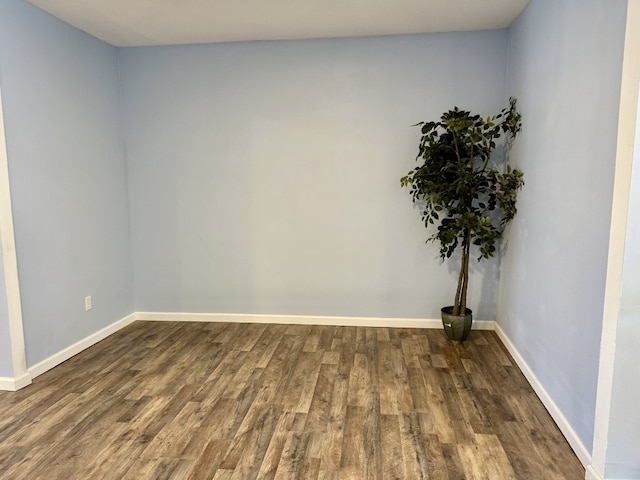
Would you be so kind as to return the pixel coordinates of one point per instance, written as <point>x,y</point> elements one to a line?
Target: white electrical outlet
<point>87,303</point>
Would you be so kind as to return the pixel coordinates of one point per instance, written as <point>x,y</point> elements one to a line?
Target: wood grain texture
<point>161,400</point>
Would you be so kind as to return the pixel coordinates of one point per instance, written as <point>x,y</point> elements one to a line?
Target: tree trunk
<point>460,304</point>
<point>467,248</point>
<point>456,301</point>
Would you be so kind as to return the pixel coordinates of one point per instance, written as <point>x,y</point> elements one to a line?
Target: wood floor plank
<point>403,395</point>
<point>358,381</point>
<point>438,413</point>
<point>352,457</point>
<point>320,401</point>
<point>299,390</point>
<point>391,448</point>
<point>461,425</point>
<point>332,446</point>
<point>292,461</point>
<point>251,335</point>
<point>268,343</point>
<point>437,464</point>
<point>276,445</point>
<point>416,464</point>
<point>250,445</point>
<point>372,467</point>
<point>485,459</point>
<point>472,407</point>
<point>386,379</point>
<point>228,401</point>
<point>455,469</point>
<point>210,460</point>
<point>171,441</point>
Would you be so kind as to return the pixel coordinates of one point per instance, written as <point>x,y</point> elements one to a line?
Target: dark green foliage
<point>468,195</point>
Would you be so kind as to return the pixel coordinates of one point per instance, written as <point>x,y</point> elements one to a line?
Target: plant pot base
<point>456,327</point>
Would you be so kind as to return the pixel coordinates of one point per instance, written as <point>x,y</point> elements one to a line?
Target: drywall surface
<point>264,177</point>
<point>565,68</point>
<point>623,450</point>
<point>68,178</point>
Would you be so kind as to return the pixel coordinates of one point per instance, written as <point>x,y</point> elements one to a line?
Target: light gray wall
<point>264,177</point>
<point>6,359</point>
<point>68,178</point>
<point>623,452</point>
<point>565,62</point>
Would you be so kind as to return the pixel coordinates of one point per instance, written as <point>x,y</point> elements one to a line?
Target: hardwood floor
<point>163,400</point>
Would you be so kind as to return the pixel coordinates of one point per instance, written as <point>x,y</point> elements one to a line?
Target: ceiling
<point>126,23</point>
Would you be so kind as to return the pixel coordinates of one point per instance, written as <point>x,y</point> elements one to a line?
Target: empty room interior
<point>210,269</point>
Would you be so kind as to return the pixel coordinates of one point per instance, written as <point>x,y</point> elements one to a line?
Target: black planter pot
<point>457,327</point>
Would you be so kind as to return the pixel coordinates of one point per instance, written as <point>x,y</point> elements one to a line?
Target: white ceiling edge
<point>128,23</point>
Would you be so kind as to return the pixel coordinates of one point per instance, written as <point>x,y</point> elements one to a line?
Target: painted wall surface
<point>6,359</point>
<point>264,177</point>
<point>623,452</point>
<point>565,68</point>
<point>68,178</point>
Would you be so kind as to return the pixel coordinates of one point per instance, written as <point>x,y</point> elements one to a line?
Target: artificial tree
<point>464,185</point>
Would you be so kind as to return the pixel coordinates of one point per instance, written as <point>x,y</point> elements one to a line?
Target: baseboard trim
<point>11,384</point>
<point>303,320</point>
<point>56,359</point>
<point>591,474</point>
<point>563,424</point>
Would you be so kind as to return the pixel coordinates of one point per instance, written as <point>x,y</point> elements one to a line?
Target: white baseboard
<point>11,384</point>
<point>67,353</point>
<point>304,320</point>
<point>8,384</point>
<point>591,474</point>
<point>563,424</point>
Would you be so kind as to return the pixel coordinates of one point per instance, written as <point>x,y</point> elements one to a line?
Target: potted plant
<point>467,192</point>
